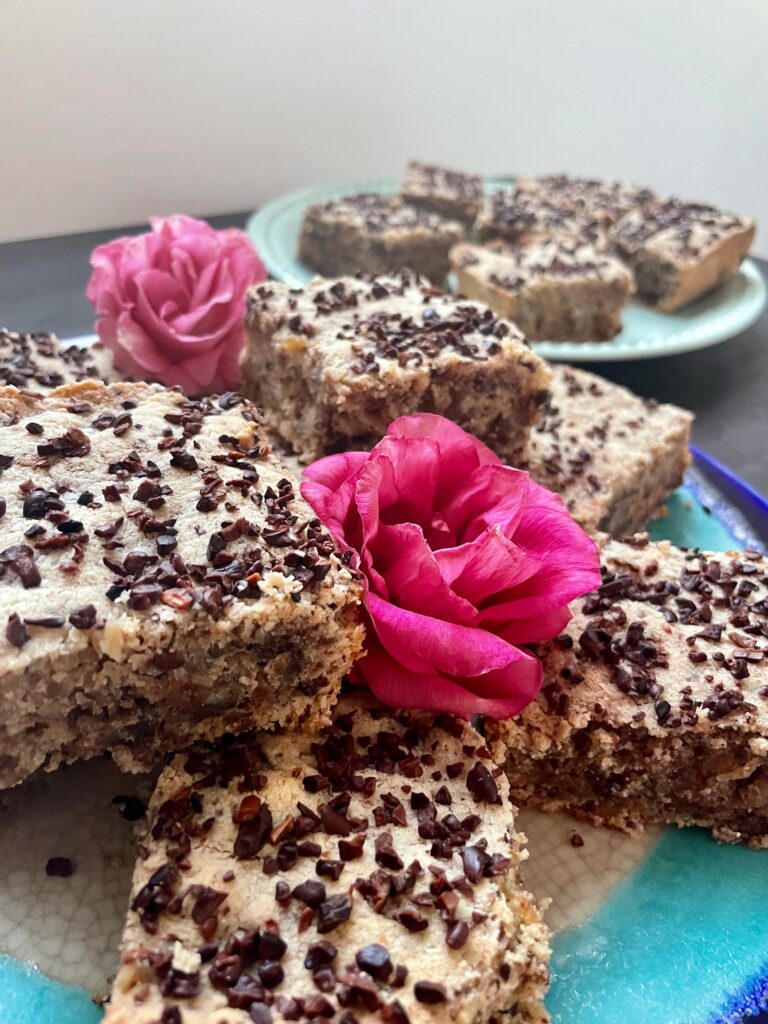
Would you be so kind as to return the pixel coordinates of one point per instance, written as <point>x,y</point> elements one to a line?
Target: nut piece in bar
<point>678,250</point>
<point>39,362</point>
<point>378,234</point>
<point>557,289</point>
<point>613,456</point>
<point>451,193</point>
<point>334,363</point>
<point>160,579</point>
<point>367,875</point>
<point>655,699</point>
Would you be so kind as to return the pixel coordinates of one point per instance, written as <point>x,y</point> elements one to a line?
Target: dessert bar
<point>334,363</point>
<point>375,233</point>
<point>451,193</point>
<point>557,289</point>
<point>588,198</point>
<point>654,706</point>
<point>160,580</point>
<point>613,456</point>
<point>39,362</point>
<point>370,875</point>
<point>678,250</point>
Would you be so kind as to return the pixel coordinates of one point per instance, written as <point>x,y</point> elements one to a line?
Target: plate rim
<point>728,324</point>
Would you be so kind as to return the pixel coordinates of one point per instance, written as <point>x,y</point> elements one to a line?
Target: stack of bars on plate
<point>560,256</point>
<point>311,855</point>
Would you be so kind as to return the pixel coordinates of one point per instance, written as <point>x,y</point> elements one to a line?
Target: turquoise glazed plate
<point>666,928</point>
<point>721,314</point>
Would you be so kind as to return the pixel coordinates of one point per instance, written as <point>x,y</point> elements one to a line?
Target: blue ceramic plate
<point>667,928</point>
<point>717,316</point>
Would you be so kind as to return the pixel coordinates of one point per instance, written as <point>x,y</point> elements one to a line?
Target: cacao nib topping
<point>72,444</point>
<point>429,992</point>
<point>335,911</point>
<point>20,559</point>
<point>253,833</point>
<point>131,808</point>
<point>59,867</point>
<point>311,893</point>
<point>84,617</point>
<point>45,621</point>
<point>181,459</point>
<point>482,785</point>
<point>320,954</point>
<point>457,934</point>
<point>374,960</point>
<point>15,631</point>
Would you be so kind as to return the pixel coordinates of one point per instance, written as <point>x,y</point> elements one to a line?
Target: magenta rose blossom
<point>465,561</point>
<point>171,302</point>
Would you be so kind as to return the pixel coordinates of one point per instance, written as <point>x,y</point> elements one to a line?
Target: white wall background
<point>111,110</point>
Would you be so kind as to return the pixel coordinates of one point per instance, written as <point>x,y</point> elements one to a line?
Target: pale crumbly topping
<point>676,230</point>
<point>595,441</point>
<point>376,214</point>
<point>559,260</point>
<point>127,506</point>
<point>431,181</point>
<point>674,640</point>
<point>40,362</point>
<point>367,875</point>
<point>589,197</point>
<point>385,324</point>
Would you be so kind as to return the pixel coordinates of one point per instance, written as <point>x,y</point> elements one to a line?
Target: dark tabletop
<point>42,286</point>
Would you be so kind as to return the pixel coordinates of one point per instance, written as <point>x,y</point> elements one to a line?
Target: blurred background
<point>112,111</point>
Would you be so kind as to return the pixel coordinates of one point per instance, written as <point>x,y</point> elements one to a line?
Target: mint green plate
<point>721,314</point>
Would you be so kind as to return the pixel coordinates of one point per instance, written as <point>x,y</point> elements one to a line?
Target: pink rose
<point>465,559</point>
<point>171,302</point>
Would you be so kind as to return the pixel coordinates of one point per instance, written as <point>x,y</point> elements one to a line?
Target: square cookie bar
<point>613,456</point>
<point>450,193</point>
<point>39,362</point>
<point>367,877</point>
<point>678,250</point>
<point>160,580</point>
<point>590,198</point>
<point>655,699</point>
<point>378,234</point>
<point>334,363</point>
<point>556,289</point>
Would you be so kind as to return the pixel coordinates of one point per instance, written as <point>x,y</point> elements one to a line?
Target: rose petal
<point>506,692</point>
<point>570,562</point>
<point>170,301</point>
<point>545,626</point>
<point>490,564</point>
<point>425,644</point>
<point>489,496</point>
<point>331,471</point>
<point>413,577</point>
<point>460,452</point>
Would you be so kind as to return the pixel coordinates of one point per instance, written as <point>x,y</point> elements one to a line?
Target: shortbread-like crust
<point>451,193</point>
<point>378,234</point>
<point>369,875</point>
<point>334,363</point>
<point>160,579</point>
<point>678,250</point>
<point>557,289</point>
<point>655,699</point>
